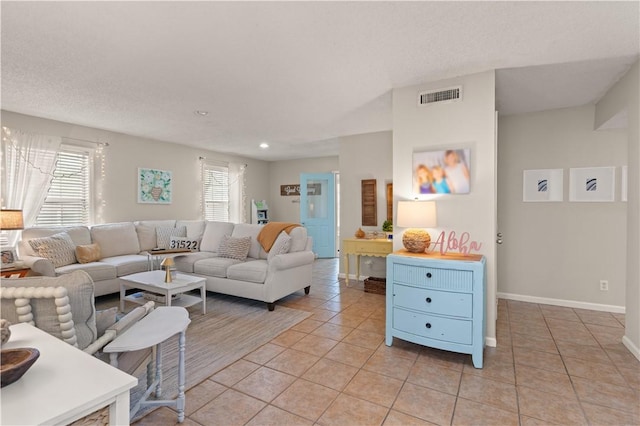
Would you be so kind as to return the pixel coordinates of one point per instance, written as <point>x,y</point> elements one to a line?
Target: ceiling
<point>297,75</point>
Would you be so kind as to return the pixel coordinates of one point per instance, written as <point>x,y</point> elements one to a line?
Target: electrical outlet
<point>604,285</point>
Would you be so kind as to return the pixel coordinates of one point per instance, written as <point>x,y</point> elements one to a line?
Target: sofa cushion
<point>80,292</point>
<point>88,253</point>
<point>281,245</point>
<point>146,237</point>
<point>163,235</point>
<point>79,235</point>
<point>98,271</point>
<point>58,248</point>
<point>165,223</point>
<point>234,248</point>
<point>298,239</point>
<point>214,267</point>
<point>254,271</point>
<point>249,230</point>
<point>195,228</point>
<point>116,239</point>
<point>128,264</point>
<point>213,233</point>
<point>184,263</point>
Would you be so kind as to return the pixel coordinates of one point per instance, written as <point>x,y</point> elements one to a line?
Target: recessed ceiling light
<point>201,113</point>
<point>264,145</point>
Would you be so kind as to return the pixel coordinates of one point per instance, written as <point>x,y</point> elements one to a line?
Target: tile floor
<point>553,365</point>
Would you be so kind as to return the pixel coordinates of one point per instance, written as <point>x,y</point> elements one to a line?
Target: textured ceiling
<point>297,75</point>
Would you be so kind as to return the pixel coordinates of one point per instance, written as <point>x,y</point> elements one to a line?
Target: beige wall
<point>365,156</point>
<point>624,96</point>
<point>123,157</point>
<point>559,250</point>
<point>467,123</point>
<point>287,208</point>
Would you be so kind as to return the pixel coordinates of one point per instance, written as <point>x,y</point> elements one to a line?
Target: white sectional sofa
<point>124,249</point>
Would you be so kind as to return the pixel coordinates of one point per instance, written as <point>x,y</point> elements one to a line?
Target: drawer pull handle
<point>428,274</point>
<point>428,325</point>
<point>428,300</point>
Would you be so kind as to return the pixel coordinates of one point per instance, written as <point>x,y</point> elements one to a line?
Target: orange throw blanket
<point>270,232</point>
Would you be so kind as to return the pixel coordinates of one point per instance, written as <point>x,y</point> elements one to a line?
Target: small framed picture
<point>9,257</point>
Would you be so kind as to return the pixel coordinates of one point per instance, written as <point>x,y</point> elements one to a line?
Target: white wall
<point>123,157</point>
<point>287,208</point>
<point>624,96</point>
<point>467,123</point>
<point>559,250</point>
<point>365,156</point>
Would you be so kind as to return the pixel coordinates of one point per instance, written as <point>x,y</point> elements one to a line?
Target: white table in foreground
<point>153,330</point>
<point>153,281</point>
<point>63,385</point>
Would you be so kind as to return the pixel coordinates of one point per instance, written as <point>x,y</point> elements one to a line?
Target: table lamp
<point>167,263</point>
<point>415,215</point>
<point>11,220</point>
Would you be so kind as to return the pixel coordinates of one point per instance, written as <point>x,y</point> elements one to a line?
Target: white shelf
<point>185,300</point>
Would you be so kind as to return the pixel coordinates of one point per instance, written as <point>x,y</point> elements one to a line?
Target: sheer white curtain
<point>28,162</point>
<point>237,197</point>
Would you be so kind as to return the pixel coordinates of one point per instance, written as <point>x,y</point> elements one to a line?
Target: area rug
<point>232,328</point>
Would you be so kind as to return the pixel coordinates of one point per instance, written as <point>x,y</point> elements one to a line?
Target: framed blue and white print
<point>592,184</point>
<point>542,185</point>
<point>154,186</point>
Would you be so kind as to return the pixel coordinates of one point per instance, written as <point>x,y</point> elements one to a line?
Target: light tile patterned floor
<point>553,365</point>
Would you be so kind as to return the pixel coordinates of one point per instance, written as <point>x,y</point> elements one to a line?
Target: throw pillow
<point>234,248</point>
<point>146,237</point>
<point>164,234</point>
<point>58,248</point>
<point>88,253</point>
<point>184,243</point>
<point>281,245</point>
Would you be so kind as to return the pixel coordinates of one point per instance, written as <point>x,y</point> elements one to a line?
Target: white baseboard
<point>561,302</point>
<point>352,276</point>
<point>490,341</point>
<point>632,348</point>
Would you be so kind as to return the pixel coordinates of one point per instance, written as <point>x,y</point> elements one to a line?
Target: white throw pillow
<point>281,245</point>
<point>58,248</point>
<point>164,235</point>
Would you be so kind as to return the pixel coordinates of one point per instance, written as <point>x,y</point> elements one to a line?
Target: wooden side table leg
<point>346,267</point>
<point>358,267</point>
<point>181,400</point>
<point>122,296</point>
<point>203,296</point>
<point>119,410</point>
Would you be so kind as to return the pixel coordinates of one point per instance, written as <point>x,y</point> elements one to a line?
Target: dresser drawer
<point>433,301</point>
<point>433,327</point>
<point>439,278</point>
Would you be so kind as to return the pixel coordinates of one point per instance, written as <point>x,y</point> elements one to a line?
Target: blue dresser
<point>437,301</point>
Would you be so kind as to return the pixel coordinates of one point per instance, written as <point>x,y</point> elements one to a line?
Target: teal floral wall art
<point>154,186</point>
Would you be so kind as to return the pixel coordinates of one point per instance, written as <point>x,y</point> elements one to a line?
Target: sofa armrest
<point>40,265</point>
<point>291,260</point>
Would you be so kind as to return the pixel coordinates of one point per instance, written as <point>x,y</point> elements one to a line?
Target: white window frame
<point>220,197</point>
<point>88,172</point>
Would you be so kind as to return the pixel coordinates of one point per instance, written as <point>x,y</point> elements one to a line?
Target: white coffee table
<point>63,385</point>
<point>153,281</point>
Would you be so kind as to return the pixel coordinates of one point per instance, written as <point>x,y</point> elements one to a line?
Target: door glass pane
<point>317,201</point>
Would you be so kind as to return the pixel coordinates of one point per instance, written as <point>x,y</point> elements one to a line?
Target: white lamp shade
<point>11,220</point>
<point>417,214</point>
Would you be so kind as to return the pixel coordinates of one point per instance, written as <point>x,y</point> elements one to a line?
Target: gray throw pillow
<point>58,248</point>
<point>234,248</point>
<point>163,235</point>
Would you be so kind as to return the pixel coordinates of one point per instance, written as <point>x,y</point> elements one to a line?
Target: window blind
<point>215,192</point>
<point>68,199</point>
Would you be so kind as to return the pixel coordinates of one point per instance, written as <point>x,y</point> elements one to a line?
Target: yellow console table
<point>362,247</point>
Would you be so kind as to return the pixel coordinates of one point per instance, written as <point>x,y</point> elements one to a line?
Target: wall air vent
<point>451,94</point>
